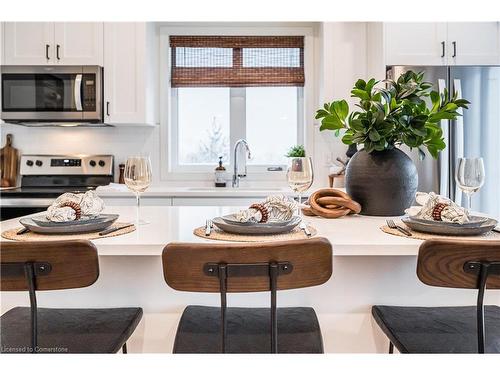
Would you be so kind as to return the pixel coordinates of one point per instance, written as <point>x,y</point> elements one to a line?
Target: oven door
<point>37,93</point>
<point>16,207</point>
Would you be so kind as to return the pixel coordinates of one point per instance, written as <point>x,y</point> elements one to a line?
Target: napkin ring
<point>76,207</point>
<point>263,211</point>
<point>437,210</point>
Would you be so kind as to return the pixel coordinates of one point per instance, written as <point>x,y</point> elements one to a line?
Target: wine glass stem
<point>300,201</point>
<point>469,201</point>
<point>138,200</point>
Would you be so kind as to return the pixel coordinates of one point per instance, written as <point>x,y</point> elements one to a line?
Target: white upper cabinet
<point>47,43</point>
<point>28,43</point>
<point>464,43</point>
<point>415,43</point>
<point>127,72</point>
<point>79,43</point>
<point>474,43</point>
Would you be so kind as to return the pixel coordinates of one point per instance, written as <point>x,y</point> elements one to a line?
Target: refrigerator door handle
<point>457,141</point>
<point>444,156</point>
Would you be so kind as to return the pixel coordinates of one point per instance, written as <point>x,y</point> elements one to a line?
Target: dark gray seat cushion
<point>69,330</point>
<point>438,329</point>
<point>248,330</point>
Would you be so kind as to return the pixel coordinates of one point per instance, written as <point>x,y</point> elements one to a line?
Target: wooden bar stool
<point>38,266</point>
<point>464,329</point>
<point>247,267</point>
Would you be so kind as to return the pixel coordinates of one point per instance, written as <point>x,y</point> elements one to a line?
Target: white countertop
<point>350,236</point>
<point>172,191</point>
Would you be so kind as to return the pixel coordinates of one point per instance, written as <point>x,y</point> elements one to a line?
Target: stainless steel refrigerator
<point>475,134</point>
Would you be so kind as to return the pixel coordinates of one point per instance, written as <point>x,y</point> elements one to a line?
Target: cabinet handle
<point>57,52</point>
<point>107,108</point>
<point>443,49</point>
<point>454,49</point>
<point>47,51</point>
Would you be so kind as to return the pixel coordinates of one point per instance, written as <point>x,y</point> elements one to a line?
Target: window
<point>224,88</point>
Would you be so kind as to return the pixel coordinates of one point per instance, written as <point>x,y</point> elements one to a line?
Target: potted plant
<point>296,153</point>
<point>381,177</point>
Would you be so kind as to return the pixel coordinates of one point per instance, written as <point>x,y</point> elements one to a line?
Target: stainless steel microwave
<point>52,93</point>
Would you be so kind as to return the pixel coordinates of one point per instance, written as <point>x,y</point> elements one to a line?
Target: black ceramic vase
<point>383,182</point>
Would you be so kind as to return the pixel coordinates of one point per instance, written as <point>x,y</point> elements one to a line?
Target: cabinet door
<point>79,43</point>
<point>474,43</point>
<point>415,43</point>
<point>124,78</point>
<point>28,43</point>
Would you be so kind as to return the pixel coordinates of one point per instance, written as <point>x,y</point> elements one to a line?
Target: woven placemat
<point>11,234</point>
<point>219,235</point>
<point>491,235</point>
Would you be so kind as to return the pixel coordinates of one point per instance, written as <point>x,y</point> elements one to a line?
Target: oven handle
<point>78,92</point>
<point>26,202</point>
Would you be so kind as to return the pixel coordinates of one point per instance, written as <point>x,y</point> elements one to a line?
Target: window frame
<point>168,99</point>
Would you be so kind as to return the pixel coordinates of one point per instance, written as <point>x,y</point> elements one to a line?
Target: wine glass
<point>137,177</point>
<point>470,176</point>
<point>299,176</point>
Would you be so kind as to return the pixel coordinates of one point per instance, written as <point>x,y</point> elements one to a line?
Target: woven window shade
<point>237,61</point>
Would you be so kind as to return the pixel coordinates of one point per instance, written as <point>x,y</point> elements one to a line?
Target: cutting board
<point>9,158</point>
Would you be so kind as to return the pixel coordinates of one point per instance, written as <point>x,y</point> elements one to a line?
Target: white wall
<point>342,58</point>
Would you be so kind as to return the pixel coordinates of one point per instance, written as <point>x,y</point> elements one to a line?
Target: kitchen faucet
<point>236,175</point>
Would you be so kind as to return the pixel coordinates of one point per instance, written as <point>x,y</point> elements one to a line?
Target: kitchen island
<point>369,267</point>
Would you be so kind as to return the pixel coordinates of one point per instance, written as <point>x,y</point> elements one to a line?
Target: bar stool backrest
<point>55,265</point>
<point>462,264</point>
<point>186,266</point>
<point>456,264</point>
<point>247,267</point>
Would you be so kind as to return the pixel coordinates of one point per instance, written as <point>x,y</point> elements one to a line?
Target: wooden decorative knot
<point>76,207</point>
<point>263,211</point>
<point>331,204</point>
<point>436,211</point>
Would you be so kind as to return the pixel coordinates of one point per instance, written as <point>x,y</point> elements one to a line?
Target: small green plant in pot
<point>296,153</point>
<point>382,178</point>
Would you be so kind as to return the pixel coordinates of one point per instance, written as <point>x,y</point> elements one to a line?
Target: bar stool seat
<point>248,330</point>
<point>70,330</point>
<point>438,329</point>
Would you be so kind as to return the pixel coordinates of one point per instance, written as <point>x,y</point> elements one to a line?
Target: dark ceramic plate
<point>231,219</point>
<point>257,228</point>
<point>474,221</point>
<point>42,221</point>
<point>79,227</point>
<point>446,229</point>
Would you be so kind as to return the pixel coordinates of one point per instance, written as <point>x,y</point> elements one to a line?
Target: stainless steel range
<point>45,177</point>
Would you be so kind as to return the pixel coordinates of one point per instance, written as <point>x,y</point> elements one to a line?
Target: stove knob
<point>92,163</point>
<point>29,163</point>
<point>39,163</point>
<point>101,163</point>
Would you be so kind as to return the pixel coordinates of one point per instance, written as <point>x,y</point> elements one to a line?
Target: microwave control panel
<point>89,92</point>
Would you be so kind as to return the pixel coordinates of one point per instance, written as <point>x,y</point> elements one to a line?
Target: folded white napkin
<point>90,204</point>
<point>452,213</point>
<point>280,207</point>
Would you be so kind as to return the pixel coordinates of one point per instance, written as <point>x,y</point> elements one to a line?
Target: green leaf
<point>360,84</point>
<point>373,135</point>
<point>360,94</point>
<point>331,122</point>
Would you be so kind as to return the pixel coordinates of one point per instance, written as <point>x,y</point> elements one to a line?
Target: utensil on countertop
<point>208,227</point>
<point>496,229</point>
<point>111,230</point>
<point>391,224</point>
<point>22,231</point>
<point>306,230</point>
